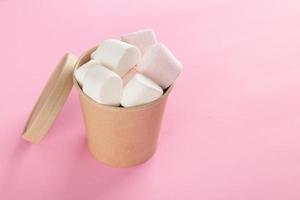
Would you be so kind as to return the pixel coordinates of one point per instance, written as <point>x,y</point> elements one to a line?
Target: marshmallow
<point>140,90</point>
<point>119,56</point>
<point>128,76</point>
<point>160,65</point>
<point>81,71</point>
<point>103,85</point>
<point>142,39</point>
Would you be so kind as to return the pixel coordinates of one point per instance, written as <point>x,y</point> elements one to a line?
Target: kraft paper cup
<point>117,136</point>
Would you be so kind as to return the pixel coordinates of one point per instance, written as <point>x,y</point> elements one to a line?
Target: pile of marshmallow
<point>129,72</point>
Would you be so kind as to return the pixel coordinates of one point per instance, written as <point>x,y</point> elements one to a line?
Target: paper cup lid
<point>51,100</point>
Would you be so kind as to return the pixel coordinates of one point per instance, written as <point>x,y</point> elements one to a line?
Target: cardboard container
<point>117,136</point>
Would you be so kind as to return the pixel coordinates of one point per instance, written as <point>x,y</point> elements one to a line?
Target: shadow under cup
<point>117,136</point>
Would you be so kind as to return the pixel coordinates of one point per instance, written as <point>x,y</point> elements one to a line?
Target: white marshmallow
<point>128,76</point>
<point>142,39</point>
<point>81,71</point>
<point>160,65</point>
<point>140,90</point>
<point>103,85</point>
<point>119,56</point>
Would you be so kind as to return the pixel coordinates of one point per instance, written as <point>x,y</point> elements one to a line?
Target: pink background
<point>232,125</point>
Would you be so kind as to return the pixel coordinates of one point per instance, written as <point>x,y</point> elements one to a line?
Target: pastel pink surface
<point>231,128</point>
